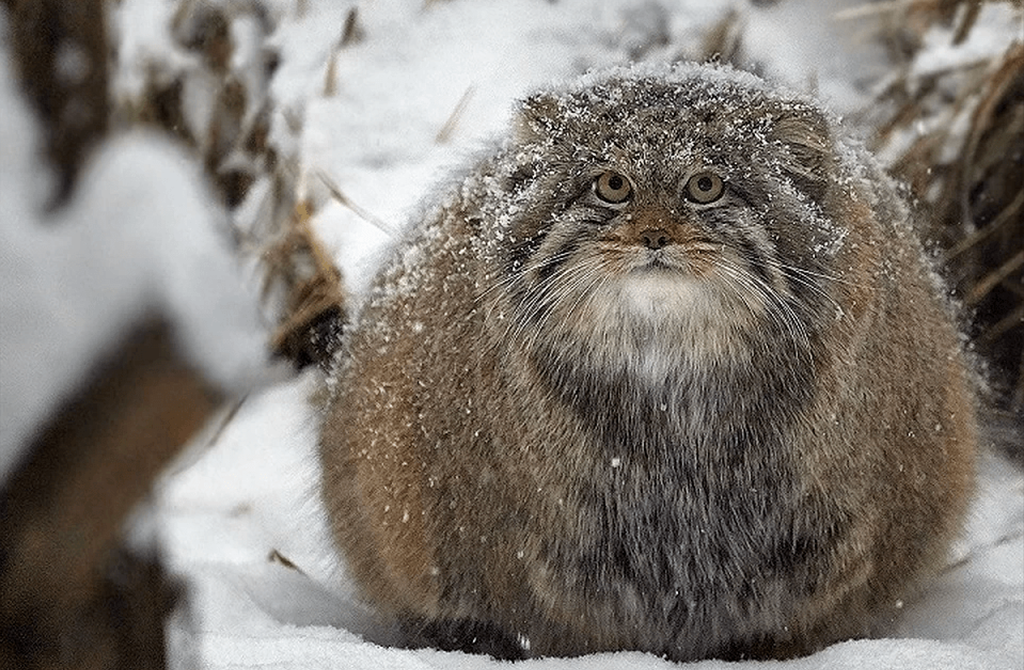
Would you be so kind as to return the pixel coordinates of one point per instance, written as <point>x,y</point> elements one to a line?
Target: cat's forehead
<point>696,110</point>
<point>653,99</point>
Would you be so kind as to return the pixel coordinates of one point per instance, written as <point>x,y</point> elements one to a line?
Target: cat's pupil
<point>615,182</point>
<point>704,184</point>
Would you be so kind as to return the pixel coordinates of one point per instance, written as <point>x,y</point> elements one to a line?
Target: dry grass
<point>956,137</point>
<point>301,285</point>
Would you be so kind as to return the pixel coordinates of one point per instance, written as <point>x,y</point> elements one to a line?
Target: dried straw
<point>964,163</point>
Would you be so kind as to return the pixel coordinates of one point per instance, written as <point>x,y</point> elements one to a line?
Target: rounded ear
<point>809,160</point>
<point>536,117</point>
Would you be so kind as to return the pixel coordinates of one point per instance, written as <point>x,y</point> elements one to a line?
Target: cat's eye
<point>612,187</point>
<point>704,187</point>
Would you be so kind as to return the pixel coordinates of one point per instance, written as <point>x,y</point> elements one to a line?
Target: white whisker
<point>776,308</point>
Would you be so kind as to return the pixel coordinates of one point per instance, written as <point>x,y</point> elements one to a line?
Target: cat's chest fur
<point>693,493</point>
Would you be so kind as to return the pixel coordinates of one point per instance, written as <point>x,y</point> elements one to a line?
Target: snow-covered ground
<point>238,514</point>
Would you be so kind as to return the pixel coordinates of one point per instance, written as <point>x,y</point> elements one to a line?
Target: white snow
<point>986,39</point>
<point>252,492</point>
<point>142,232</point>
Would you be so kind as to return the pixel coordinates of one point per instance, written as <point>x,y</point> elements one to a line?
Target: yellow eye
<point>704,187</point>
<point>612,187</point>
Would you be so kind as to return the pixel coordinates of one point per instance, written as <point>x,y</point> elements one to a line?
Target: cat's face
<point>652,220</point>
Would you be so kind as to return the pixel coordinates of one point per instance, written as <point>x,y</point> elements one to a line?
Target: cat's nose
<point>655,238</point>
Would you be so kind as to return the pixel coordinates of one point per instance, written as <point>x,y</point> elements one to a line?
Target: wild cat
<point>666,371</point>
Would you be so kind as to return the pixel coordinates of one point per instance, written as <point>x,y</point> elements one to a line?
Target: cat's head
<point>680,208</point>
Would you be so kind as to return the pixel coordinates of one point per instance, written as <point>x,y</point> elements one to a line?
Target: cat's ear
<point>803,133</point>
<point>537,117</point>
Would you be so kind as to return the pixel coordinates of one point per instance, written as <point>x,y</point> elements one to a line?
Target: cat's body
<point>667,372</point>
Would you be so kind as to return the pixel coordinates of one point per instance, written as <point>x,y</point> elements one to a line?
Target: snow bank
<point>251,495</point>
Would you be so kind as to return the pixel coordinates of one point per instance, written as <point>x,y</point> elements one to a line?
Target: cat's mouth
<point>655,263</point>
<point>665,264</point>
